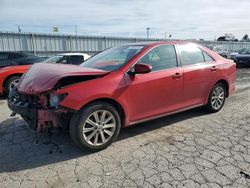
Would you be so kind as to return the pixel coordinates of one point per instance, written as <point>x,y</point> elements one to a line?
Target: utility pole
<point>76,38</point>
<point>19,29</point>
<point>148,32</point>
<point>76,29</point>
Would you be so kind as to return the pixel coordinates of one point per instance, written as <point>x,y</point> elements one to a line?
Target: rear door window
<point>190,54</point>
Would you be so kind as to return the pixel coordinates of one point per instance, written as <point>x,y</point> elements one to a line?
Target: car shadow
<point>21,149</point>
<point>3,96</point>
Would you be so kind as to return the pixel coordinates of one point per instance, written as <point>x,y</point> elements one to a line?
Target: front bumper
<point>22,108</point>
<point>37,115</point>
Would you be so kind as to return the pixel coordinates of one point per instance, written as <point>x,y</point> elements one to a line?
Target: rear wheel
<point>11,83</point>
<point>216,98</point>
<point>96,126</point>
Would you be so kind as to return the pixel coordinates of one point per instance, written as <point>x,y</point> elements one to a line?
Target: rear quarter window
<point>207,57</point>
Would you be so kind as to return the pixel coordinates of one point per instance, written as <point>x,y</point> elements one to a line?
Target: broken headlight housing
<point>55,99</point>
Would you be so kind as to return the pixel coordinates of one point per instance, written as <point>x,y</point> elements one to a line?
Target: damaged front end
<point>37,99</point>
<point>40,111</point>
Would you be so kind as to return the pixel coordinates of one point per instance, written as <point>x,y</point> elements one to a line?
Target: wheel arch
<point>225,83</point>
<point>8,77</point>
<point>113,102</point>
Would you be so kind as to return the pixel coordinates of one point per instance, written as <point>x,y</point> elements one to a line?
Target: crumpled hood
<point>43,77</point>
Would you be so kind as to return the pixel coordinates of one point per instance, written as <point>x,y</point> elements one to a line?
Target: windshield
<point>241,50</point>
<point>54,59</point>
<point>246,51</point>
<point>113,58</point>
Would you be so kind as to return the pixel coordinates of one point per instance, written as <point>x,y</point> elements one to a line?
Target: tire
<point>81,130</point>
<point>214,98</point>
<point>10,82</point>
<point>239,65</point>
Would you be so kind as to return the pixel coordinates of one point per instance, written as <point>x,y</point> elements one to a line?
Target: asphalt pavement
<point>189,149</point>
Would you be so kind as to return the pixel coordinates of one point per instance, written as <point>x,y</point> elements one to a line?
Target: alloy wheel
<point>13,84</point>
<point>218,97</point>
<point>99,127</point>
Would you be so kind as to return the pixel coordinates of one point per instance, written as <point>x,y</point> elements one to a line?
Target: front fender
<point>80,94</point>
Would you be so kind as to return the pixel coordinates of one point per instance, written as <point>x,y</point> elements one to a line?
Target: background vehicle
<point>221,50</point>
<point>223,38</point>
<point>122,86</point>
<point>9,76</point>
<point>233,54</point>
<point>68,58</point>
<point>242,59</point>
<point>227,37</point>
<point>17,58</point>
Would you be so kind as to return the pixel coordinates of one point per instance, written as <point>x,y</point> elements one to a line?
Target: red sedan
<point>122,86</point>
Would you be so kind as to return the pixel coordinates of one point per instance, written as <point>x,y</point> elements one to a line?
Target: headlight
<point>55,99</point>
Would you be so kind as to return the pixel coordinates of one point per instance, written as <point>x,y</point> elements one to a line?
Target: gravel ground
<point>190,149</point>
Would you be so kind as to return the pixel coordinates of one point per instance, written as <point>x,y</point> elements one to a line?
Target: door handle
<point>176,75</point>
<point>213,68</point>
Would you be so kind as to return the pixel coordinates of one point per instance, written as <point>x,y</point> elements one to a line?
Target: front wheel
<point>96,126</point>
<point>11,83</point>
<point>216,98</point>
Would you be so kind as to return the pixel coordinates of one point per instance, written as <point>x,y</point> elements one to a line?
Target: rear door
<point>199,74</point>
<point>159,91</point>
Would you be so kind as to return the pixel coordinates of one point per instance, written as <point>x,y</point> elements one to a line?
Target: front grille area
<point>29,100</point>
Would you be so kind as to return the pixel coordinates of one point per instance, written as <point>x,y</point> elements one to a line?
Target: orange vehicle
<point>12,66</point>
<point>9,77</point>
<point>10,74</point>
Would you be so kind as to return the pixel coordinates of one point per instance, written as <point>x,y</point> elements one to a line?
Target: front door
<point>159,91</point>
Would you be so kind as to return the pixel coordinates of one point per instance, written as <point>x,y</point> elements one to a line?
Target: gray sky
<point>183,19</point>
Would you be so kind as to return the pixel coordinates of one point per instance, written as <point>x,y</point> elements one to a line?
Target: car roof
<point>13,52</point>
<point>155,43</point>
<point>68,54</point>
<point>27,54</point>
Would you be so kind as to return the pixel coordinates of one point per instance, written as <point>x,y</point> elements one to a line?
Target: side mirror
<point>140,68</point>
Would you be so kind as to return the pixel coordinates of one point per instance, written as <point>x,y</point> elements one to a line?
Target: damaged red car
<point>122,86</point>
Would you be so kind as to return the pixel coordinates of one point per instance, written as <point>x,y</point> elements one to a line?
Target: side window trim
<point>176,56</point>
<point>203,52</point>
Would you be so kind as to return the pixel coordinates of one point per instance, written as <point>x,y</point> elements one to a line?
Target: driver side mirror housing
<point>140,68</point>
